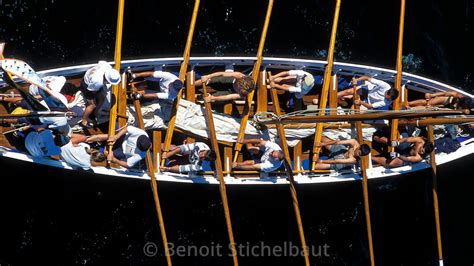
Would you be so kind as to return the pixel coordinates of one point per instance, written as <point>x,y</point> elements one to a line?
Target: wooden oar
<point>182,74</point>
<point>117,58</point>
<point>255,72</point>
<point>39,114</point>
<point>211,131</point>
<point>394,134</point>
<point>365,187</point>
<point>154,186</point>
<point>327,81</point>
<point>289,172</point>
<point>435,197</point>
<point>361,117</point>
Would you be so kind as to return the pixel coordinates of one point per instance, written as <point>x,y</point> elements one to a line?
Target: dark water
<point>65,219</point>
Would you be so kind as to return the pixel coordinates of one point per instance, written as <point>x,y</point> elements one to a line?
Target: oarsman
<point>130,146</point>
<point>79,155</point>
<point>194,155</point>
<point>270,160</point>
<point>374,93</point>
<point>408,150</point>
<point>342,153</point>
<point>298,82</point>
<point>94,87</point>
<point>169,85</point>
<point>447,99</point>
<point>228,85</point>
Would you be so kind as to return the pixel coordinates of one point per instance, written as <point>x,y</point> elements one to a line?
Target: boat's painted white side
<point>414,82</point>
<point>466,149</point>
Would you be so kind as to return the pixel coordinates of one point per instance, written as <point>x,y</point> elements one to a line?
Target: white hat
<point>112,76</point>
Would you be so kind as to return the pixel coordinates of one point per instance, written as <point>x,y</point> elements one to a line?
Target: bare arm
<point>283,87</point>
<point>78,138</point>
<point>119,162</point>
<point>411,140</point>
<point>350,160</point>
<point>222,98</point>
<point>247,165</point>
<point>279,75</point>
<point>351,142</point>
<point>207,78</point>
<point>412,159</point>
<point>143,74</point>
<point>173,169</point>
<point>171,153</point>
<point>97,138</point>
<point>366,105</point>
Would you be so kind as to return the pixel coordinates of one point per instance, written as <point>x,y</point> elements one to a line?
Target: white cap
<point>112,76</point>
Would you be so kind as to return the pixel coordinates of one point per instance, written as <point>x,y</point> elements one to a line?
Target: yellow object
<point>20,111</point>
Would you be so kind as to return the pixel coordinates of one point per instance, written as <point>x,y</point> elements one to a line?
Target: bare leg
<point>437,101</point>
<point>394,163</point>
<point>418,103</point>
<point>322,166</point>
<point>379,160</point>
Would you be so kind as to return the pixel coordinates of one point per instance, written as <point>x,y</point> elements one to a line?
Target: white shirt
<point>267,162</point>
<point>129,146</point>
<point>41,144</point>
<point>58,123</point>
<point>165,79</point>
<point>299,89</point>
<point>55,83</point>
<point>377,90</point>
<point>193,150</point>
<point>94,77</point>
<point>76,156</point>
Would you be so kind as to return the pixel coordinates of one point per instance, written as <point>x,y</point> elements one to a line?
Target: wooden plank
<point>327,79</point>
<point>333,95</point>
<point>115,88</point>
<point>182,72</point>
<point>190,94</point>
<point>394,134</point>
<point>262,92</point>
<point>156,148</point>
<point>211,131</point>
<point>154,186</point>
<point>364,162</point>
<point>287,162</point>
<point>434,190</point>
<point>298,155</point>
<point>255,72</point>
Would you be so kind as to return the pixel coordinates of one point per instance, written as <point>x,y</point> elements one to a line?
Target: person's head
<point>175,85</point>
<point>143,143</point>
<point>427,148</point>
<point>278,155</point>
<point>96,155</point>
<point>391,94</point>
<point>363,150</point>
<point>112,76</point>
<point>244,85</point>
<point>207,155</point>
<point>464,103</point>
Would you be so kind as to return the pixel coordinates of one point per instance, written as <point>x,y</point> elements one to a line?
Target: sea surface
<point>78,219</point>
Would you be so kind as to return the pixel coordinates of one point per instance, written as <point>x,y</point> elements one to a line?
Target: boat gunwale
<point>412,81</point>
